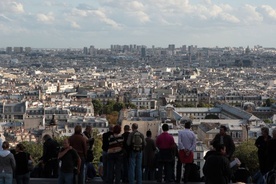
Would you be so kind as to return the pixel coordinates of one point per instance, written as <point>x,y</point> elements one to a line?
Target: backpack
<point>137,142</point>
<point>270,177</point>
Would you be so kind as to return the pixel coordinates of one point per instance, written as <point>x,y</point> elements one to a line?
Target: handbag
<point>186,157</point>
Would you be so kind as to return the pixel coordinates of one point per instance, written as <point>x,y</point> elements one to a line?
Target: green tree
<point>246,152</point>
<point>108,108</point>
<point>97,148</point>
<point>98,106</point>
<point>118,106</point>
<point>35,149</point>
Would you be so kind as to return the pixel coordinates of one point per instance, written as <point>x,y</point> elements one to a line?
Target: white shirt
<point>186,140</point>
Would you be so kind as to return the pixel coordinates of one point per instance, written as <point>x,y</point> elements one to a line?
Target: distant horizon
<point>78,24</point>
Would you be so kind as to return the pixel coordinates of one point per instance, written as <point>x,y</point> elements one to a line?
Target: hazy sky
<point>79,23</point>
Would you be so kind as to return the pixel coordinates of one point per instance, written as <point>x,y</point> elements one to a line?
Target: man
<point>137,143</point>
<point>126,154</point>
<point>186,142</point>
<point>166,145</point>
<point>271,152</point>
<point>49,157</point>
<point>69,161</point>
<point>223,138</point>
<point>78,142</point>
<point>105,145</point>
<point>87,133</point>
<point>217,167</point>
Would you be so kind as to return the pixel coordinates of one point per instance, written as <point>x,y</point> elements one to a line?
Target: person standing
<point>115,155</point>
<point>166,145</point>
<point>89,168</point>
<point>270,154</point>
<point>70,160</point>
<point>22,173</point>
<point>7,164</point>
<point>105,141</point>
<point>126,154</point>
<point>217,167</point>
<point>225,139</point>
<point>136,142</point>
<point>78,142</point>
<point>49,157</point>
<point>261,144</point>
<point>186,142</point>
<point>149,157</point>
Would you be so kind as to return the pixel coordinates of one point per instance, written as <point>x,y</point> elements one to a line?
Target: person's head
<point>221,149</point>
<point>148,133</point>
<point>66,143</point>
<point>274,133</point>
<point>5,145</point>
<point>110,128</point>
<point>134,126</point>
<point>188,124</point>
<point>20,147</point>
<point>46,137</point>
<point>78,129</point>
<point>117,129</point>
<point>265,131</point>
<point>165,127</point>
<point>223,130</point>
<point>126,128</point>
<point>88,128</point>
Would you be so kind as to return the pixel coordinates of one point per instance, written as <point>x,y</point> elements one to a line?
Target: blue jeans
<point>65,178</point>
<point>135,162</point>
<point>6,178</point>
<point>23,179</point>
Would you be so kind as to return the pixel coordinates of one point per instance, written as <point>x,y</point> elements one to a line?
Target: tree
<point>98,106</point>
<point>246,152</point>
<point>112,117</point>
<point>118,106</point>
<point>35,149</point>
<point>108,108</point>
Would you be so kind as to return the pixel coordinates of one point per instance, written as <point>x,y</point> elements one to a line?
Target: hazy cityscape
<point>144,62</point>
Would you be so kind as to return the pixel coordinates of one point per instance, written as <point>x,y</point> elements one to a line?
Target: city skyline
<point>206,23</point>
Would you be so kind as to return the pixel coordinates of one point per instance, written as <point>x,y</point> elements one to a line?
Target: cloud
<point>75,25</point>
<point>268,12</point>
<point>11,7</point>
<point>45,18</point>
<point>250,15</point>
<point>4,18</point>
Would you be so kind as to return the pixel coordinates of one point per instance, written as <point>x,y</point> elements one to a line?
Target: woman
<point>22,173</point>
<point>115,155</point>
<point>7,164</point>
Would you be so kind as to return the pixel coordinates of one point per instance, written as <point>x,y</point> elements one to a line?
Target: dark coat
<point>270,154</point>
<point>149,153</point>
<point>227,141</point>
<point>217,169</point>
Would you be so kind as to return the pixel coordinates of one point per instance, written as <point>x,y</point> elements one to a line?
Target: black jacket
<point>217,169</point>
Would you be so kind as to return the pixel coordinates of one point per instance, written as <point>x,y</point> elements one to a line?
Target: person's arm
<point>231,146</point>
<point>79,164</point>
<point>63,152</point>
<point>84,148</point>
<point>180,145</point>
<point>129,139</point>
<point>13,163</point>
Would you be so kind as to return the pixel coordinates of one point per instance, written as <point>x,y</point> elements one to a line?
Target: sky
<point>101,23</point>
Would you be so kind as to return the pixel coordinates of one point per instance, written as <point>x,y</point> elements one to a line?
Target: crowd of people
<point>129,157</point>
